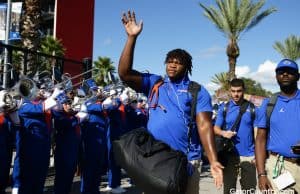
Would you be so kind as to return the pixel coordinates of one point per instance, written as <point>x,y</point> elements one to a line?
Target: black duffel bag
<point>152,165</point>
<point>224,144</point>
<point>224,147</point>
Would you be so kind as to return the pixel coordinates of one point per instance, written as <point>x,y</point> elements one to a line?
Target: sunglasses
<point>287,70</point>
<point>69,102</point>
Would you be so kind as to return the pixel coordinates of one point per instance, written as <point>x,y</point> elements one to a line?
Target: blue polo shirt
<point>244,139</point>
<point>169,120</point>
<point>284,124</point>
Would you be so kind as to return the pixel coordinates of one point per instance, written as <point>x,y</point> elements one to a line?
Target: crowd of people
<point>278,135</point>
<point>269,160</point>
<point>80,132</point>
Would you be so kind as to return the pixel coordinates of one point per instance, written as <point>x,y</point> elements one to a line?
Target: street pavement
<point>206,184</point>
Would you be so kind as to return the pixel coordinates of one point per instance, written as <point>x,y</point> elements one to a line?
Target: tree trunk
<point>30,27</point>
<point>233,53</point>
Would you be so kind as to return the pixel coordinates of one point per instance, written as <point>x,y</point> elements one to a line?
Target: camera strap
<point>243,108</point>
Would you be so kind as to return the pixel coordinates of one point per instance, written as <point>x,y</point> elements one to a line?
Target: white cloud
<point>242,71</point>
<point>212,87</point>
<point>265,75</point>
<point>211,52</point>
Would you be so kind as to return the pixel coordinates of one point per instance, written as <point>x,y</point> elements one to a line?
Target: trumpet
<point>78,102</point>
<point>7,102</point>
<point>13,97</point>
<point>66,83</point>
<point>26,88</point>
<point>67,79</point>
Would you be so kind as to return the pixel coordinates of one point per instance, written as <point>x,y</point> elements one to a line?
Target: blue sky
<point>181,24</point>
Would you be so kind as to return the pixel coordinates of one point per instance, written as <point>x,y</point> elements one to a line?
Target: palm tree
<point>30,31</point>
<point>232,18</point>
<point>104,70</point>
<point>290,48</point>
<point>51,46</point>
<point>221,80</point>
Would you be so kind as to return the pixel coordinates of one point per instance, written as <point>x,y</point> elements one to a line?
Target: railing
<point>17,64</point>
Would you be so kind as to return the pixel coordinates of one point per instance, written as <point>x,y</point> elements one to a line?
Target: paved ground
<point>206,184</point>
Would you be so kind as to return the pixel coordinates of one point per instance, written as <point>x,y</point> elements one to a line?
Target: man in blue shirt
<point>283,132</point>
<point>241,159</point>
<point>169,113</point>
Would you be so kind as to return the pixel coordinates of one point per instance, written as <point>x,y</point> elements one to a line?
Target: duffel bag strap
<point>193,89</point>
<point>243,109</point>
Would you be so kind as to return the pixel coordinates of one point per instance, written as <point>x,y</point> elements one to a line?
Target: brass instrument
<point>8,103</point>
<point>26,88</point>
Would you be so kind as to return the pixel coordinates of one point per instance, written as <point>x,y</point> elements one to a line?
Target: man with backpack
<point>278,135</point>
<point>235,121</point>
<point>170,105</point>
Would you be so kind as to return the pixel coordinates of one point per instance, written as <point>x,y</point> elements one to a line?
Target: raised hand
<point>129,22</point>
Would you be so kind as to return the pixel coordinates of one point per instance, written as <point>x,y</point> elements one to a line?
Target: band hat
<point>112,92</point>
<point>287,63</point>
<point>63,98</point>
<point>80,92</point>
<point>124,98</point>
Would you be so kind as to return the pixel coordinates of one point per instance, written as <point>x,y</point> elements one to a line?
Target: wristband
<point>262,174</point>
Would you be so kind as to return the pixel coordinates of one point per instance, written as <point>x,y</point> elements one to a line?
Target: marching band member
<point>98,123</point>
<point>117,128</point>
<point>6,143</point>
<point>142,115</point>
<point>67,139</point>
<point>33,143</point>
<point>94,142</point>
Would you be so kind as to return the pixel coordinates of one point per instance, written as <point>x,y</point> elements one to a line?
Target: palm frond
<point>232,17</point>
<point>290,48</point>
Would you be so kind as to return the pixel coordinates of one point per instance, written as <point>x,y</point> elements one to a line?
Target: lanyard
<point>278,166</point>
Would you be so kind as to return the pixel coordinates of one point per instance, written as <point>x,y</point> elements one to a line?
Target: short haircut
<point>183,56</point>
<point>236,82</point>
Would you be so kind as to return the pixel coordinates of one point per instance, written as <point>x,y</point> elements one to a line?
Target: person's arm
<point>206,134</point>
<point>220,121</point>
<point>260,156</point>
<point>218,131</point>
<point>131,77</point>
<point>227,134</point>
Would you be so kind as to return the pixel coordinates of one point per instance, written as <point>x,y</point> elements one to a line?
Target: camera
<point>296,149</point>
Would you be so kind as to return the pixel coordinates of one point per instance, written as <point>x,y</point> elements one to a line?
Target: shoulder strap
<point>243,109</point>
<point>270,107</point>
<point>252,111</point>
<point>154,90</point>
<point>225,110</point>
<point>193,89</point>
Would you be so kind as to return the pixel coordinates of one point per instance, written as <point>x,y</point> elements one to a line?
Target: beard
<point>288,88</point>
